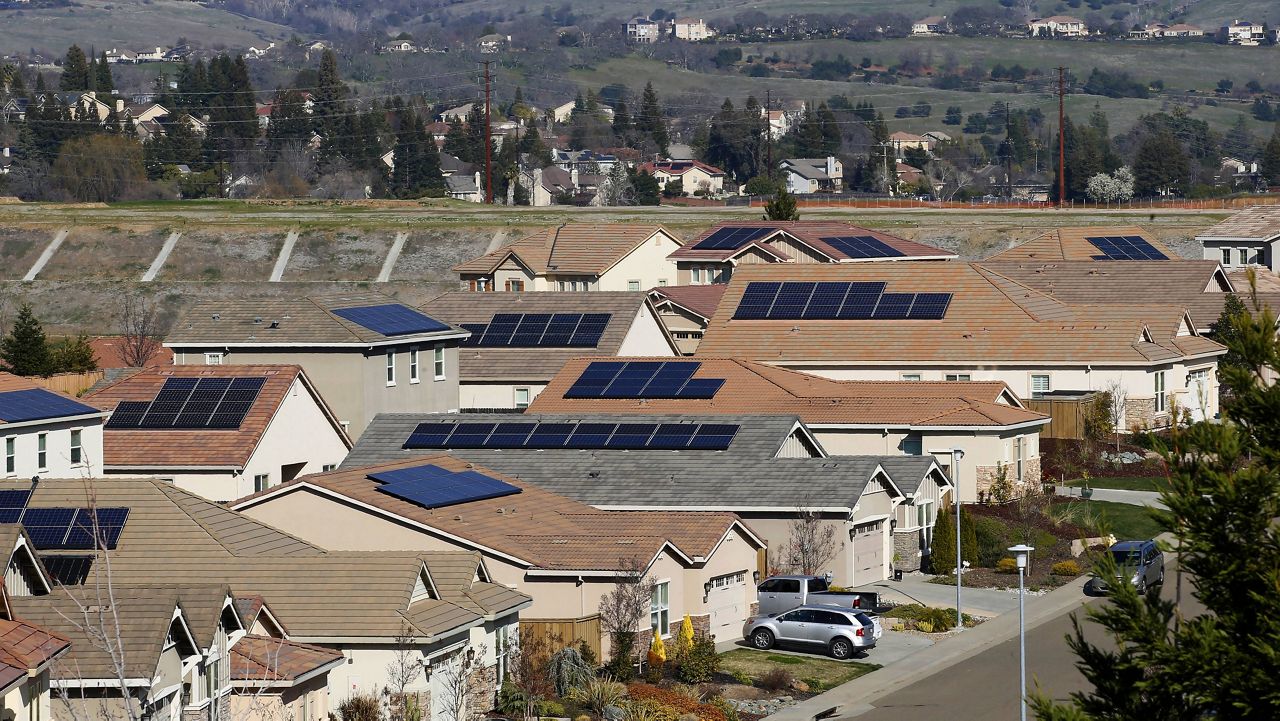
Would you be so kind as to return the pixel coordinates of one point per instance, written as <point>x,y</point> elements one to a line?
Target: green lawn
<point>820,673</point>
<point>1123,520</point>
<point>1124,483</point>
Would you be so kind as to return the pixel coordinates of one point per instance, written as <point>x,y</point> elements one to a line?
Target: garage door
<point>868,552</point>
<point>727,601</point>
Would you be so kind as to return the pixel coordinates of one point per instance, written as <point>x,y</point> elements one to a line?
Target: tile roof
<point>541,528</point>
<point>527,364</point>
<point>809,168</point>
<point>992,319</point>
<point>701,299</point>
<point>1070,244</point>
<point>10,383</point>
<point>747,476</point>
<point>680,167</point>
<point>26,647</point>
<point>809,232</point>
<point>205,448</point>
<point>108,351</point>
<point>1259,222</point>
<point>299,321</point>
<point>570,248</point>
<point>757,388</point>
<point>267,660</point>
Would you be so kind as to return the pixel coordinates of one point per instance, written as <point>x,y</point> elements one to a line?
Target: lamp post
<point>1020,554</point>
<point>957,454</point>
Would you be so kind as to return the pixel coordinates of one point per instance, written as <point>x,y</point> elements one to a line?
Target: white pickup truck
<point>783,593</point>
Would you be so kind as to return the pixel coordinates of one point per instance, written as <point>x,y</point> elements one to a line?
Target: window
<point>391,367</point>
<point>1255,257</point>
<point>660,609</point>
<point>910,376</point>
<point>1019,455</point>
<point>77,450</point>
<point>959,377</point>
<point>816,585</point>
<point>729,579</point>
<point>213,359</point>
<point>439,363</point>
<point>515,285</point>
<point>696,275</point>
<point>328,467</point>
<point>413,364</point>
<point>10,455</point>
<point>1160,399</point>
<point>1039,385</point>
<point>662,282</point>
<point>912,445</point>
<point>522,398</point>
<point>633,285</point>
<point>1226,256</point>
<point>831,618</point>
<point>260,482</point>
<point>42,451</point>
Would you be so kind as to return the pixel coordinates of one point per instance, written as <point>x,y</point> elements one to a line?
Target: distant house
<point>459,113</point>
<point>691,29</point>
<point>550,185</point>
<point>465,187</point>
<point>115,56</point>
<point>400,46</point>
<point>813,175</point>
<point>902,142</point>
<point>494,43</point>
<point>1058,26</point>
<point>937,137</point>
<point>153,55</point>
<point>14,110</point>
<point>110,352</point>
<point>642,30</point>
<point>932,25</point>
<point>1243,32</point>
<point>583,161</point>
<point>562,113</point>
<point>779,122</point>
<point>907,174</point>
<point>1160,31</point>
<point>694,175</point>
<point>1250,238</point>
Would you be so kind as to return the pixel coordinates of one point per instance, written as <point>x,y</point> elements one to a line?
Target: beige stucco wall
<point>308,701</point>
<point>57,449</point>
<point>29,701</point>
<point>647,263</point>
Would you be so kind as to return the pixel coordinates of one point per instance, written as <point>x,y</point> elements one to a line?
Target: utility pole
<point>488,140</point>
<point>1062,151</point>
<point>1008,153</point>
<point>768,130</point>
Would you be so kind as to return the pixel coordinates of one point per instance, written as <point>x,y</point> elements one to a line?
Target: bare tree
<point>626,604</point>
<point>404,669</point>
<point>1119,399</point>
<point>139,330</point>
<point>811,542</point>
<point>460,683</point>
<point>527,669</point>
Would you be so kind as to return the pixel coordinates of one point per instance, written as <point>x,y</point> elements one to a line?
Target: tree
<point>645,187</point>
<point>652,120</point>
<point>459,702</point>
<point>1222,499</point>
<point>618,189</point>
<point>102,168</point>
<point>782,206</point>
<point>75,70</point>
<point>1113,188</point>
<point>942,549</point>
<point>1224,331</point>
<point>954,116</point>
<point>1117,402</point>
<point>403,670</point>
<point>25,351</point>
<point>1270,166</point>
<point>103,82</point>
<point>140,331</point>
<point>1161,166</point>
<point>528,670</point>
<point>621,611</point>
<point>72,355</point>
<point>810,545</point>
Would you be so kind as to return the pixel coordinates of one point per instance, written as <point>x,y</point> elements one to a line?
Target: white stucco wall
<point>57,449</point>
<point>647,263</point>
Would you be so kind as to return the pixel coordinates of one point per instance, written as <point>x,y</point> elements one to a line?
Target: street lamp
<point>957,454</point>
<point>1020,553</point>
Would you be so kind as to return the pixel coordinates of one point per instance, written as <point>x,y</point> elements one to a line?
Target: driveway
<point>986,602</point>
<point>893,646</point>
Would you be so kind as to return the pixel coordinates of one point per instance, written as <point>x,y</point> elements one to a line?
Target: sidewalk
<point>1136,498</point>
<point>986,602</point>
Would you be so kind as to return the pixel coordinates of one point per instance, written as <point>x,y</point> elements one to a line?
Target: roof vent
<point>274,324</point>
<point>593,474</point>
<point>217,316</point>
<point>257,320</point>
<point>457,518</point>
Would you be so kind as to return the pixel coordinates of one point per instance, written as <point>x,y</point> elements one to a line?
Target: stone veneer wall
<point>906,545</point>
<point>1141,413</point>
<point>1030,475</point>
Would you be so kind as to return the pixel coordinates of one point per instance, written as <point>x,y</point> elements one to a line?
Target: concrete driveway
<point>985,602</point>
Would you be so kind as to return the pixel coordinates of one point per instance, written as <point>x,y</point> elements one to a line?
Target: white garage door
<point>868,553</point>
<point>727,602</point>
<point>1198,393</point>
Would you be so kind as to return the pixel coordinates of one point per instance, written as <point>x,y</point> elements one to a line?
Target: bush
<point>1065,568</point>
<point>776,680</point>
<point>361,707</point>
<point>623,647</point>
<point>702,662</point>
<point>598,693</point>
<point>1006,565</point>
<point>670,705</point>
<point>993,539</point>
<point>925,618</point>
<point>569,670</point>
<point>741,677</point>
<point>729,710</point>
<point>925,626</point>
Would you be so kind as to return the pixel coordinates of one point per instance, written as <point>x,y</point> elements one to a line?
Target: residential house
<point>685,310</point>
<point>695,177</point>
<point>492,43</point>
<point>577,256</point>
<point>907,177</point>
<point>713,256</point>
<point>14,110</point>
<point>1243,32</point>
<point>925,321</point>
<point>562,553</point>
<point>1058,26</point>
<point>642,30</point>
<point>275,678</point>
<point>562,113</point>
<point>255,52</point>
<point>853,418</point>
<point>932,25</point>
<point>768,470</point>
<point>691,29</point>
<point>220,432</point>
<point>142,112</point>
<point>813,175</point>
<point>1182,30</point>
<point>458,113</point>
<point>902,141</point>
<point>519,341</point>
<point>584,161</point>
<point>47,433</point>
<point>465,187</point>
<point>121,55</point>
<point>1249,238</point>
<point>154,55</point>
<point>937,137</point>
<point>400,46</point>
<point>551,186</point>
<point>27,655</point>
<point>365,353</point>
<point>780,122</point>
<point>1084,243</point>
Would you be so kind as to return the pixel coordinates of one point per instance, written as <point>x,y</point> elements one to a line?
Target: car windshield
<point>1126,558</point>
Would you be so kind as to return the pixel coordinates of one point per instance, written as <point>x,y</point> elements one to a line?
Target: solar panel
<point>35,404</point>
<point>470,435</point>
<point>529,333</point>
<point>642,379</point>
<point>560,330</point>
<point>128,414</point>
<point>477,331</point>
<point>673,436</point>
<point>860,303</point>
<point>500,329</point>
<point>826,301</point>
<point>597,376</point>
<point>434,487</point>
<point>218,403</point>
<point>591,435</point>
<point>430,435</point>
<point>86,533</point>
<point>863,246</point>
<point>390,319</point>
<point>631,380</point>
<point>48,526</point>
<point>10,499</point>
<point>714,436</point>
<point>702,388</point>
<point>589,330</point>
<point>930,306</point>
<point>550,435</point>
<point>731,238</point>
<point>1125,247</point>
<point>757,299</point>
<point>68,570</point>
<point>510,435</point>
<point>792,299</point>
<point>894,306</point>
<point>860,300</point>
<point>632,435</point>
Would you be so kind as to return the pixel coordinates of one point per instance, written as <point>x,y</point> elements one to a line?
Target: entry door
<point>868,553</point>
<point>1198,393</point>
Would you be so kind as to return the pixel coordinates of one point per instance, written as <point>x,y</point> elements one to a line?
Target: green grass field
<point>1123,520</point>
<point>819,672</point>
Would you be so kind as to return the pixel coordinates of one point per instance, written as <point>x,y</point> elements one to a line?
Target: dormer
<point>424,589</point>
<point>24,575</point>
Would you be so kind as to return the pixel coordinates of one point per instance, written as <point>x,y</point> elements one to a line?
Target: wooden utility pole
<point>488,140</point>
<point>768,130</point>
<point>1008,153</point>
<point>1062,150</point>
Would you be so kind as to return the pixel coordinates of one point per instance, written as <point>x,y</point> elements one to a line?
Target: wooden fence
<point>1066,415</point>
<point>70,383</point>
<point>564,632</point>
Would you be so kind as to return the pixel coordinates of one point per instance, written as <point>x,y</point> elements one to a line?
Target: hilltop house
<point>902,141</point>
<point>642,30</point>
<point>1057,26</point>
<point>1243,32</point>
<point>813,175</point>
<point>691,29</point>
<point>46,433</point>
<point>932,25</point>
<point>694,176</point>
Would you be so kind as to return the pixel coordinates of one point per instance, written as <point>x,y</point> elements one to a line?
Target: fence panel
<point>70,383</point>
<point>1066,415</point>
<point>566,632</point>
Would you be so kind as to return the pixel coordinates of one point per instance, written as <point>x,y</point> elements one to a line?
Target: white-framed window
<point>213,359</point>
<point>77,447</point>
<point>633,285</point>
<point>10,455</point>
<point>1039,384</point>
<point>260,482</point>
<point>959,377</point>
<point>328,467</point>
<point>1161,401</point>
<point>438,362</point>
<point>391,367</point>
<point>729,579</point>
<point>910,376</point>
<point>42,451</point>
<point>1226,256</point>
<point>1019,457</point>
<point>662,282</point>
<point>413,364</point>
<point>660,609</point>
<point>695,275</point>
<point>1255,256</point>
<point>522,398</point>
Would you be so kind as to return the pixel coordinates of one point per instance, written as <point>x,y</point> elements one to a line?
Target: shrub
<point>568,670</point>
<point>1006,565</point>
<point>623,647</point>
<point>729,710</point>
<point>776,679</point>
<point>741,677</point>
<point>925,626</point>
<point>1065,568</point>
<point>598,693</point>
<point>701,663</point>
<point>993,539</point>
<point>668,705</point>
<point>361,707</point>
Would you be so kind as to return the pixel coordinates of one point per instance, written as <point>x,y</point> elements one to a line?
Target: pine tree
<point>652,121</point>
<point>1270,166</point>
<point>104,84</point>
<point>942,550</point>
<point>622,126</point>
<point>1160,165</point>
<point>25,351</point>
<point>1225,331</point>
<point>456,141</point>
<point>830,129</point>
<point>329,96</point>
<point>782,206</point>
<point>75,70</point>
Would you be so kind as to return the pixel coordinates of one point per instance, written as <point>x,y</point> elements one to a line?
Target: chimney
<point>119,105</point>
<point>4,153</point>
<point>573,177</point>
<point>831,166</point>
<point>537,185</point>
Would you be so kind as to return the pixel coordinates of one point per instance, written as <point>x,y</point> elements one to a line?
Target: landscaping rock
<point>799,686</point>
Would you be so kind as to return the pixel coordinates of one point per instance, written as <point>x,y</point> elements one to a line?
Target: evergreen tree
<point>75,70</point>
<point>942,549</point>
<point>329,96</point>
<point>622,126</point>
<point>651,120</point>
<point>968,537</point>
<point>830,129</point>
<point>72,355</point>
<point>457,142</point>
<point>647,191</point>
<point>475,134</point>
<point>289,126</point>
<point>1270,166</point>
<point>1161,165</point>
<point>782,206</point>
<point>25,351</point>
<point>104,84</point>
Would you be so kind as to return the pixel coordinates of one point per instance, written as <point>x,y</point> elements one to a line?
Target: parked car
<point>842,632</point>
<point>1141,562</point>
<point>783,593</point>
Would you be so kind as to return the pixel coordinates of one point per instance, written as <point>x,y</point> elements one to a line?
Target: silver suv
<point>839,630</point>
<point>1141,562</point>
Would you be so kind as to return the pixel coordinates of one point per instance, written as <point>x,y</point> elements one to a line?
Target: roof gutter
<point>399,340</point>
<point>912,427</point>
<point>55,419</point>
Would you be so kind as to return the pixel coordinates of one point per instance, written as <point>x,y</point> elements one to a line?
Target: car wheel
<point>841,649</point>
<point>762,639</point>
<point>1142,586</point>
<point>1160,580</point>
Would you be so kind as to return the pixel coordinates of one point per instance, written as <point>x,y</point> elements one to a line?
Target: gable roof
<point>27,391</point>
<point>808,168</point>
<point>583,248</point>
<point>752,387</point>
<point>25,649</point>
<point>699,299</point>
<point>1070,244</point>
<point>108,351</point>
<point>1258,222</point>
<point>203,448</point>
<point>991,319</point>
<point>810,233</point>
<point>299,322</point>
<point>680,167</point>
<point>266,661</point>
<point>536,363</point>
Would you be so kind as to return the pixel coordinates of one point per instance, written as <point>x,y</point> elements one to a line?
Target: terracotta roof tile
<point>701,299</point>
<point>265,659</point>
<point>570,248</point>
<point>28,647</point>
<point>107,350</point>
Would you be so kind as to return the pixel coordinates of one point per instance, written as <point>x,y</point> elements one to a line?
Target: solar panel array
<point>731,238</point>
<point>63,528</point>
<point>35,404</point>
<point>215,403</point>
<point>431,486</point>
<point>539,330</point>
<point>863,246</point>
<point>771,300</point>
<point>391,319</point>
<point>1125,247</point>
<point>643,379</point>
<point>578,435</point>
<point>68,570</point>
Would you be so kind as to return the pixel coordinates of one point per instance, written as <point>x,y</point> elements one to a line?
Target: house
<point>142,112</point>
<point>275,678</point>
<point>119,55</point>
<point>153,55</point>
<point>458,113</point>
<point>937,137</point>
<point>1182,30</point>
<point>562,553</point>
<point>925,321</point>
<point>642,30</point>
<point>767,470</point>
<point>400,46</point>
<point>853,418</point>
<point>695,177</point>
<point>28,652</point>
<point>218,432</point>
<point>189,569</point>
<point>364,353</point>
<point>713,256</point>
<point>47,433</point>
<point>577,256</point>
<point>465,187</point>
<point>1058,26</point>
<point>813,175</point>
<point>932,25</point>
<point>551,186</point>
<point>562,113</point>
<point>253,51</point>
<point>691,29</point>
<point>1249,238</point>
<point>685,310</point>
<point>907,176</point>
<point>903,141</point>
<point>1086,243</point>
<point>14,110</point>
<point>584,161</point>
<point>493,43</point>
<point>1243,32</point>
<point>519,341</point>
